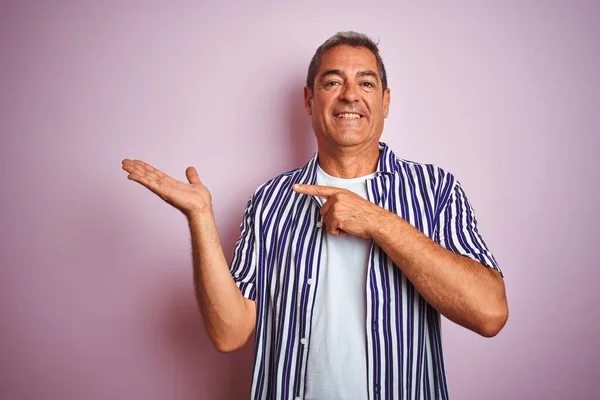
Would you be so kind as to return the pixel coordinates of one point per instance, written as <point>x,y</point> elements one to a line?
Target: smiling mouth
<point>348,116</point>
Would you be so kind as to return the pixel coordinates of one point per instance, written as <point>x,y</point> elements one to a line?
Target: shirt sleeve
<point>457,230</point>
<point>243,265</point>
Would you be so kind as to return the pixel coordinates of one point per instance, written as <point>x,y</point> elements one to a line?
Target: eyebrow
<point>368,73</point>
<point>339,72</point>
<point>330,72</point>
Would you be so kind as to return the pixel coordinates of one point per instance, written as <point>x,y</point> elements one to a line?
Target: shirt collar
<point>385,166</point>
<point>388,162</point>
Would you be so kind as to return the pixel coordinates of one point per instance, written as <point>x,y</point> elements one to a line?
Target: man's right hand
<point>189,198</point>
<point>229,318</point>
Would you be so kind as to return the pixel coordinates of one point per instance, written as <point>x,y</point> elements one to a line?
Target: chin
<point>350,138</point>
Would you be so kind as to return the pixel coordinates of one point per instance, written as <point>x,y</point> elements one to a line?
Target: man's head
<point>350,38</point>
<point>346,91</point>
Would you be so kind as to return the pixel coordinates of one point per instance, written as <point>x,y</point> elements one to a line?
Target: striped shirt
<point>277,259</point>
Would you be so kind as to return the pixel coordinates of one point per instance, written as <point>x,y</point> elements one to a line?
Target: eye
<point>368,84</point>
<point>332,83</point>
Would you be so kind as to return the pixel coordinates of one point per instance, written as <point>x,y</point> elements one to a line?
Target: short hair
<point>349,38</point>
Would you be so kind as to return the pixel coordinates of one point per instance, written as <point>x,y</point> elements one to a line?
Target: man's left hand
<point>344,211</point>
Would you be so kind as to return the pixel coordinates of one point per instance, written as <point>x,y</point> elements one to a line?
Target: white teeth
<point>348,116</point>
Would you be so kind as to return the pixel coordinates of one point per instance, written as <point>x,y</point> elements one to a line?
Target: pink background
<point>96,294</point>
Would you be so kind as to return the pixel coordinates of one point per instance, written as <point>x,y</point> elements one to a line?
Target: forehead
<point>348,59</point>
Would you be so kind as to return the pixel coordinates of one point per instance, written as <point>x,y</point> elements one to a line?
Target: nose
<point>349,92</point>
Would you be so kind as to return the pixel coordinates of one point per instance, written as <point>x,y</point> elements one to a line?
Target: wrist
<point>376,222</point>
<point>381,224</point>
<point>199,216</point>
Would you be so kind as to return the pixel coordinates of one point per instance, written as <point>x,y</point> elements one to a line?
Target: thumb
<point>192,175</point>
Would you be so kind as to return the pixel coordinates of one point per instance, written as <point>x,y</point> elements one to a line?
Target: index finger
<point>316,190</point>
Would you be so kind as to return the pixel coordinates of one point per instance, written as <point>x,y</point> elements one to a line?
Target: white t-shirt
<point>337,359</point>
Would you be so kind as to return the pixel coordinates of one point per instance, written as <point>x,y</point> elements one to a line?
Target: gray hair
<point>349,38</point>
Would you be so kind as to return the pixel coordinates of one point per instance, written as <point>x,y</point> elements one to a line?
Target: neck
<point>349,162</point>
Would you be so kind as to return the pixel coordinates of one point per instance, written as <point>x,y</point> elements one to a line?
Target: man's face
<point>347,105</point>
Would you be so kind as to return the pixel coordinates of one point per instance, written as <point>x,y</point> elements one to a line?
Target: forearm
<point>228,316</point>
<point>458,287</point>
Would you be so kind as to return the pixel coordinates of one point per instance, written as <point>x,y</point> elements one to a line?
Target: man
<point>343,266</point>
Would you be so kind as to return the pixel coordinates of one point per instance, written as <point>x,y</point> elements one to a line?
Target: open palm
<point>187,197</point>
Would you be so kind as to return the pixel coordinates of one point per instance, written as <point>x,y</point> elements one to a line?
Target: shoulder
<point>430,180</point>
<point>277,186</point>
<point>430,174</point>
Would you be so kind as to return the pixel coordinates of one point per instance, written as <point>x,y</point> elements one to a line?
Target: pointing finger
<point>316,190</point>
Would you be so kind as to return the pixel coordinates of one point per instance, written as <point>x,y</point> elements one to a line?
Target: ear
<point>308,100</point>
<point>386,102</point>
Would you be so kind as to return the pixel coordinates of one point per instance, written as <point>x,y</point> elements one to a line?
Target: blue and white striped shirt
<point>277,259</point>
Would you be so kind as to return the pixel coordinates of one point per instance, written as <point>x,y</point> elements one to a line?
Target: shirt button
<point>303,341</point>
<point>309,281</point>
<point>319,224</point>
<point>298,398</point>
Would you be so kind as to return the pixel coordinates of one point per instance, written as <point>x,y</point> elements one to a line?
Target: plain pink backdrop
<point>96,294</point>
